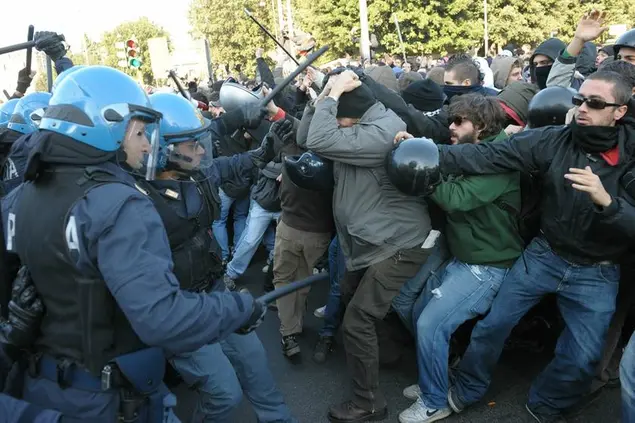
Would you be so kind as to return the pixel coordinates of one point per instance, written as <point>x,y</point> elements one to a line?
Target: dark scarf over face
<point>594,139</point>
<point>542,74</point>
<point>452,90</point>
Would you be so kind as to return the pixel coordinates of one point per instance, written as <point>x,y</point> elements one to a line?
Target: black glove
<point>253,116</point>
<point>283,133</point>
<point>24,80</point>
<point>257,316</point>
<point>25,313</point>
<point>263,154</point>
<point>50,43</point>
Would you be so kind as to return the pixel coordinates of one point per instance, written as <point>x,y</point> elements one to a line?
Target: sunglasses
<point>592,103</point>
<point>457,120</point>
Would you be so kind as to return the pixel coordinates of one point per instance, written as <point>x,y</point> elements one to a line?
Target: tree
<point>427,27</point>
<point>232,35</point>
<point>142,30</point>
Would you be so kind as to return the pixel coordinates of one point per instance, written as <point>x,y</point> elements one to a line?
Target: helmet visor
<point>192,154</point>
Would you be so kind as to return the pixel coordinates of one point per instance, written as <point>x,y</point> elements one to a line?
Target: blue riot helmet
<point>106,109</point>
<point>64,74</point>
<point>6,110</point>
<point>28,112</point>
<point>185,136</point>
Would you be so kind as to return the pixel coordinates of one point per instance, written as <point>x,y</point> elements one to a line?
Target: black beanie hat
<point>426,95</point>
<point>355,103</point>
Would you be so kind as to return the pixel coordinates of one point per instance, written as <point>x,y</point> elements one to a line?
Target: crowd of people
<point>448,205</point>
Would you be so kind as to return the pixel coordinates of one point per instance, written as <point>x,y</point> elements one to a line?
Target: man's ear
<point>467,82</point>
<point>621,111</point>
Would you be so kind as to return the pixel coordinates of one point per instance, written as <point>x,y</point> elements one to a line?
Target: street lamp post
<point>486,35</point>
<point>364,37</point>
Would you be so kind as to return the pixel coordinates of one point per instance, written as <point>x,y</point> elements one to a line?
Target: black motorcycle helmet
<point>310,171</point>
<point>627,39</point>
<point>550,107</point>
<point>413,166</point>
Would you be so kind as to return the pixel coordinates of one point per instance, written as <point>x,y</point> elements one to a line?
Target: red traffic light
<point>131,44</point>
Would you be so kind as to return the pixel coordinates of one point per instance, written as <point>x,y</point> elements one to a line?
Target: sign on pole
<point>159,57</point>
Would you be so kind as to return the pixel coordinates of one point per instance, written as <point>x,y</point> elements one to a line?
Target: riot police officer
<point>185,193</point>
<point>100,259</point>
<point>25,120</point>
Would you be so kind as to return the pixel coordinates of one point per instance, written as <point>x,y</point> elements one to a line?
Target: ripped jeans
<point>458,294</point>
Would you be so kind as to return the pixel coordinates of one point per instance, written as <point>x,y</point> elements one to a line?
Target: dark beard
<point>467,139</point>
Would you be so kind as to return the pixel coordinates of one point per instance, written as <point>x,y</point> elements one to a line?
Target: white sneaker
<point>319,312</point>
<point>420,413</point>
<point>412,392</point>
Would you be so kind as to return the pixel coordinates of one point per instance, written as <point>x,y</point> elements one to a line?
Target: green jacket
<point>478,230</point>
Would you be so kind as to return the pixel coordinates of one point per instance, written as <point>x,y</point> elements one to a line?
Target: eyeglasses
<point>592,103</point>
<point>457,120</point>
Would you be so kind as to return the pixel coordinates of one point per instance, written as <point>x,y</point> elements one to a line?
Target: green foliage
<point>427,27</point>
<point>141,30</point>
<point>233,37</point>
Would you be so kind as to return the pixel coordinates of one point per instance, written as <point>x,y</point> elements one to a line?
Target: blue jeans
<point>627,378</point>
<point>257,223</point>
<point>466,291</point>
<point>404,302</point>
<point>219,227</point>
<point>337,267</point>
<point>586,300</point>
<point>223,371</point>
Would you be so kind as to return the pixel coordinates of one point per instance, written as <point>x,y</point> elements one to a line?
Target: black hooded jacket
<point>575,228</point>
<point>550,48</point>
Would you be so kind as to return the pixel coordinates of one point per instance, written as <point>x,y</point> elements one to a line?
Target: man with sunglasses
<point>483,240</point>
<point>586,206</point>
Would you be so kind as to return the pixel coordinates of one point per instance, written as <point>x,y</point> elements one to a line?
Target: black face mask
<point>594,139</point>
<point>541,76</point>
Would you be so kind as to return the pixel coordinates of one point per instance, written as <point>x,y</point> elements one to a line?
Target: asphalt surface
<point>310,389</point>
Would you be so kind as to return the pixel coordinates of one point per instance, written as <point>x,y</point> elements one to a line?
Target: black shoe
<point>348,412</point>
<point>543,418</point>
<point>290,346</point>
<point>322,349</point>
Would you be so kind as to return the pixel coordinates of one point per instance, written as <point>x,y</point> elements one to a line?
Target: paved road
<point>309,388</point>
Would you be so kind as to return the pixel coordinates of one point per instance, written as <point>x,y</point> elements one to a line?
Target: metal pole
<point>49,73</point>
<point>281,20</point>
<point>403,48</point>
<point>208,57</point>
<point>364,37</point>
<point>486,35</point>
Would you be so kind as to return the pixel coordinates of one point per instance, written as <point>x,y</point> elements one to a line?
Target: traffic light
<point>132,53</point>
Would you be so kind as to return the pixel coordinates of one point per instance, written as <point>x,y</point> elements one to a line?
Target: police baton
<point>289,79</point>
<point>272,296</point>
<point>179,86</point>
<point>248,13</point>
<point>17,47</point>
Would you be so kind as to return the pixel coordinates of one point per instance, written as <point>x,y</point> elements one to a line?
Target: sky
<point>72,18</point>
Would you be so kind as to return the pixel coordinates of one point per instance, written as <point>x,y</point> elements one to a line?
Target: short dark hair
<point>627,70</point>
<point>464,67</point>
<point>622,90</point>
<point>485,113</point>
